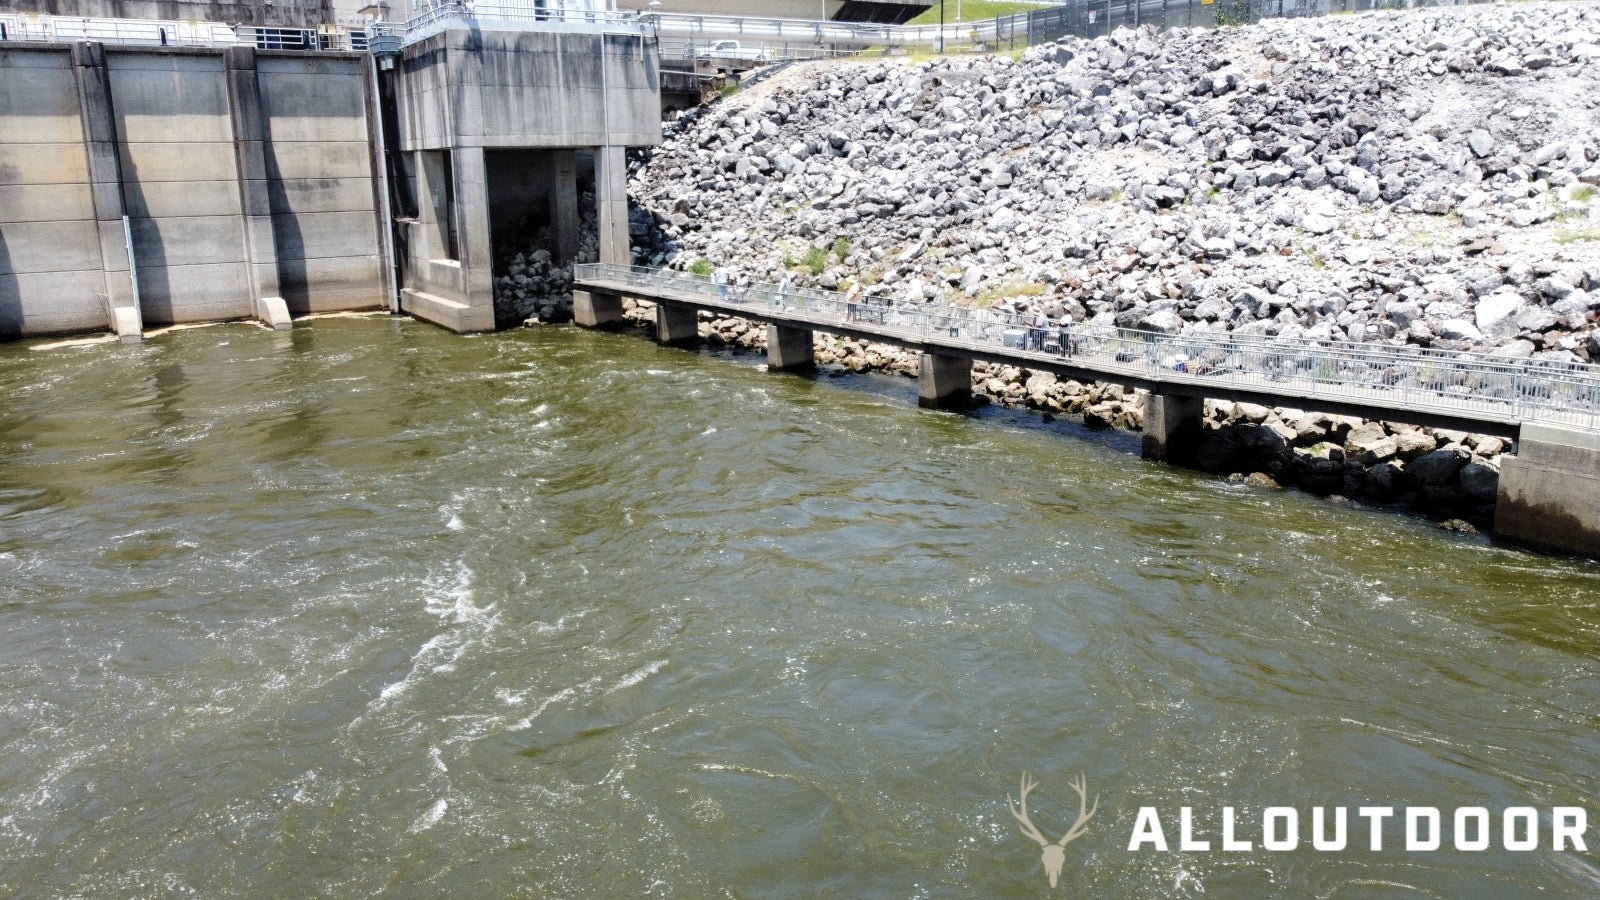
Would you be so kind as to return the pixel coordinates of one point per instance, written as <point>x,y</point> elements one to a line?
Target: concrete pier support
<point>611,193</point>
<point>790,349</point>
<point>564,216</point>
<point>593,309</point>
<point>677,326</point>
<point>944,382</point>
<point>255,203</point>
<point>1549,493</point>
<point>1172,428</point>
<point>100,140</point>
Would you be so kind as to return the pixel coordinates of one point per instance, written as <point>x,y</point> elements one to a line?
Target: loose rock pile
<point>1446,472</point>
<point>533,288</point>
<point>1428,177</point>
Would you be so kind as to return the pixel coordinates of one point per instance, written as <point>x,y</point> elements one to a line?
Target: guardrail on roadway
<point>1458,385</point>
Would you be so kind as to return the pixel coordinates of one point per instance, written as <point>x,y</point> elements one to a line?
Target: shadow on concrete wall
<point>10,294</point>
<point>149,252</point>
<point>294,277</point>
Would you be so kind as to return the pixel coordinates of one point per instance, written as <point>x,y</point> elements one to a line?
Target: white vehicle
<point>730,50</point>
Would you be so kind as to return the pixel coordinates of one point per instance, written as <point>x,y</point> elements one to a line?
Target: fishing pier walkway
<point>1549,492</point>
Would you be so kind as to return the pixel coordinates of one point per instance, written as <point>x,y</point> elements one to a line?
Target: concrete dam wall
<point>243,175</point>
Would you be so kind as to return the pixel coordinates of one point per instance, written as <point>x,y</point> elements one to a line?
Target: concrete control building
<point>492,125</point>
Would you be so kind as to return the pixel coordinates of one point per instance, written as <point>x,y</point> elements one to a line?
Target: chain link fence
<point>1097,18</point>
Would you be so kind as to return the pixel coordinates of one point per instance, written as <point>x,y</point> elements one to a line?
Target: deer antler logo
<point>1055,854</point>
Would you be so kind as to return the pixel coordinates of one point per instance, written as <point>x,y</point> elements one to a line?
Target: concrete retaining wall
<point>175,141</point>
<point>320,183</point>
<point>243,177</point>
<point>49,245</point>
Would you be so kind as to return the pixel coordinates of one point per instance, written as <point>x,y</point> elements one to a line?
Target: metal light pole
<point>941,26</point>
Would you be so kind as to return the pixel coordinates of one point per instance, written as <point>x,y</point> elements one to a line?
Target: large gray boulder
<point>1439,467</point>
<point>1369,444</point>
<point>1496,314</point>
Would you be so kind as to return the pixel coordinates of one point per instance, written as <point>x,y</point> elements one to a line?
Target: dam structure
<point>149,183</point>
<point>145,184</point>
<point>154,186</point>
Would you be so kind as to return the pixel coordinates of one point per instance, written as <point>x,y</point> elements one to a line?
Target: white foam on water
<point>468,625</point>
<point>452,509</point>
<point>638,675</point>
<point>77,342</point>
<point>302,787</point>
<point>566,693</point>
<point>431,817</point>
<point>565,623</point>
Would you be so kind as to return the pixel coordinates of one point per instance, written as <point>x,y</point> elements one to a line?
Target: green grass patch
<point>1007,291</point>
<point>971,11</point>
<point>816,259</point>
<point>702,267</point>
<point>1576,237</point>
<point>1583,193</point>
<point>841,247</point>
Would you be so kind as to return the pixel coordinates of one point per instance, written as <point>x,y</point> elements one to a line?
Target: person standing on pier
<point>852,299</point>
<point>720,279</point>
<point>784,287</point>
<point>1041,323</point>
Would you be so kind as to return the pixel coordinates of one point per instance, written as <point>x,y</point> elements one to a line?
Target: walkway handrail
<point>1462,384</point>
<point>431,16</point>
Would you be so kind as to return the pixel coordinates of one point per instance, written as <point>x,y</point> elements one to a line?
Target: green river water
<point>368,609</point>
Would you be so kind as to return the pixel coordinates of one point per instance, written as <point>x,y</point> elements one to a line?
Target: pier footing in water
<point>790,349</point>
<point>1173,427</point>
<point>594,309</point>
<point>1549,494</point>
<point>677,326</point>
<point>944,382</point>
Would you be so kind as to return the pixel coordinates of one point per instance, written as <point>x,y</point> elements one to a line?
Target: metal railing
<point>687,49</point>
<point>1097,18</point>
<point>152,33</point>
<point>431,17</point>
<point>135,32</point>
<point>1461,385</point>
